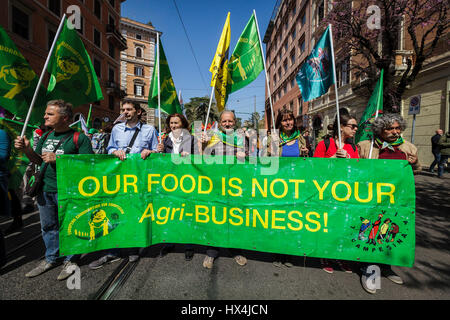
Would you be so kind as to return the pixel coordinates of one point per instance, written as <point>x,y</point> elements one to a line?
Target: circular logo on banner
<point>95,222</point>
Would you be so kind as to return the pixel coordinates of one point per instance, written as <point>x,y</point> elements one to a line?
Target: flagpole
<point>380,93</point>
<point>89,115</point>
<point>209,109</point>
<point>159,85</point>
<point>265,70</point>
<point>335,87</point>
<point>27,119</point>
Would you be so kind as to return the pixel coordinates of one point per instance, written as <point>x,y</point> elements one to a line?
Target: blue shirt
<point>290,151</point>
<point>121,136</point>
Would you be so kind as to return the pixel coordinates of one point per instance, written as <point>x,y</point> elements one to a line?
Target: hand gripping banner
<point>349,209</point>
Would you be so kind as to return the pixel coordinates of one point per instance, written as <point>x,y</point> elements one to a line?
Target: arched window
<point>138,52</point>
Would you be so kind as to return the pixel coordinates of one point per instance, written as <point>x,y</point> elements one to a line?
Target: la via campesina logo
<point>95,222</point>
<point>380,233</point>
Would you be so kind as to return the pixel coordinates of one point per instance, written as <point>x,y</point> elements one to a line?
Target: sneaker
<point>188,255</point>
<point>240,260</point>
<point>133,257</point>
<point>40,269</point>
<point>288,264</point>
<point>67,271</point>
<point>109,258</point>
<point>326,266</point>
<point>208,262</point>
<point>344,266</point>
<point>391,275</point>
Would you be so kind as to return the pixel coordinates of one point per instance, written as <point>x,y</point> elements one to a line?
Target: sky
<point>204,21</point>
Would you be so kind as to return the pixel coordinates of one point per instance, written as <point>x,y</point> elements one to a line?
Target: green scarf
<point>284,138</point>
<point>238,140</point>
<point>390,146</point>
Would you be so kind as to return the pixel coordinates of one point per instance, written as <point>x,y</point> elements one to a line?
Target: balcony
<point>114,89</point>
<point>113,35</point>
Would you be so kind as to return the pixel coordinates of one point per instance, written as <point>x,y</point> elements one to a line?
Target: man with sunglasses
<point>387,144</point>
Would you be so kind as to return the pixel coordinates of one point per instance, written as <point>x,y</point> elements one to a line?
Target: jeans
<point>437,159</point>
<point>443,161</point>
<point>48,211</point>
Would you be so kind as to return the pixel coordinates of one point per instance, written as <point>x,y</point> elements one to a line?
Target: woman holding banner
<point>328,148</point>
<point>177,140</point>
<point>289,143</point>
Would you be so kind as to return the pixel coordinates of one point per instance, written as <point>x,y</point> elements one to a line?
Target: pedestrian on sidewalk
<point>435,149</point>
<point>444,143</point>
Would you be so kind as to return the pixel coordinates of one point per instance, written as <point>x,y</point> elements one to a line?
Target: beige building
<point>137,63</point>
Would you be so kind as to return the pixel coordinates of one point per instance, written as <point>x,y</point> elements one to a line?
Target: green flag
<point>168,94</point>
<point>73,78</point>
<point>246,62</point>
<point>18,82</point>
<point>374,107</point>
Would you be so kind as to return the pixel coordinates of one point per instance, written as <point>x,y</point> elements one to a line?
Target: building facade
<point>137,63</point>
<point>32,25</point>
<point>287,40</point>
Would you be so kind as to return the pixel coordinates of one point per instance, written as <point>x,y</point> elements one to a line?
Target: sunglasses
<point>353,126</point>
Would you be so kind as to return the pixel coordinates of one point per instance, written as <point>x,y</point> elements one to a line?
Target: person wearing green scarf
<point>225,141</point>
<point>388,144</point>
<point>290,141</point>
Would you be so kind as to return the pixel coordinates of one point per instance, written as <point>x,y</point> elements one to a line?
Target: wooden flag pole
<point>335,87</point>
<point>33,101</point>
<point>265,70</point>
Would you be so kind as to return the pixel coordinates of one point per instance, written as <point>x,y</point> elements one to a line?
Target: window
<point>302,45</point>
<point>303,19</point>
<point>111,102</point>
<point>138,36</point>
<point>344,72</point>
<point>292,58</point>
<point>293,83</point>
<point>97,38</point>
<point>55,6</point>
<point>138,52</point>
<point>98,67</point>
<point>320,12</point>
<point>111,75</point>
<point>81,30</point>
<point>138,90</point>
<point>139,71</point>
<point>111,50</point>
<point>97,9</point>
<point>293,34</point>
<point>20,23</point>
<point>51,33</point>
<point>285,66</point>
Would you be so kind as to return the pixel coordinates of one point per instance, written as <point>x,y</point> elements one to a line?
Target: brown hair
<point>282,114</point>
<point>184,122</point>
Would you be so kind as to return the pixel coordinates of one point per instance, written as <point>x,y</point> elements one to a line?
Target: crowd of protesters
<point>133,136</point>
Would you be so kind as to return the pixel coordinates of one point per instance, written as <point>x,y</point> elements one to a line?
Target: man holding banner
<point>60,140</point>
<point>131,136</point>
<point>225,141</point>
<point>388,144</point>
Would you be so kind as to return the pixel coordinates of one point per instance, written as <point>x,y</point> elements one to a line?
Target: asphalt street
<point>172,278</point>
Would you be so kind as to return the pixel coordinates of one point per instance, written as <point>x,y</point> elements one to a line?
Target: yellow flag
<point>219,67</point>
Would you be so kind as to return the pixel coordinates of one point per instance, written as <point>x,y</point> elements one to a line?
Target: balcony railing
<point>113,34</point>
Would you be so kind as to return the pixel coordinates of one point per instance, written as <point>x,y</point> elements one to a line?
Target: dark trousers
<point>437,159</point>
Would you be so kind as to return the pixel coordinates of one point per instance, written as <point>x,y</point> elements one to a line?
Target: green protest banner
<point>350,209</point>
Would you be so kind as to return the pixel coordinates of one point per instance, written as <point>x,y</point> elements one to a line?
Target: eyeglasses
<point>353,126</point>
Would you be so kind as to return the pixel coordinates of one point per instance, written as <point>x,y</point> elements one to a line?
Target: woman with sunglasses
<point>330,148</point>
